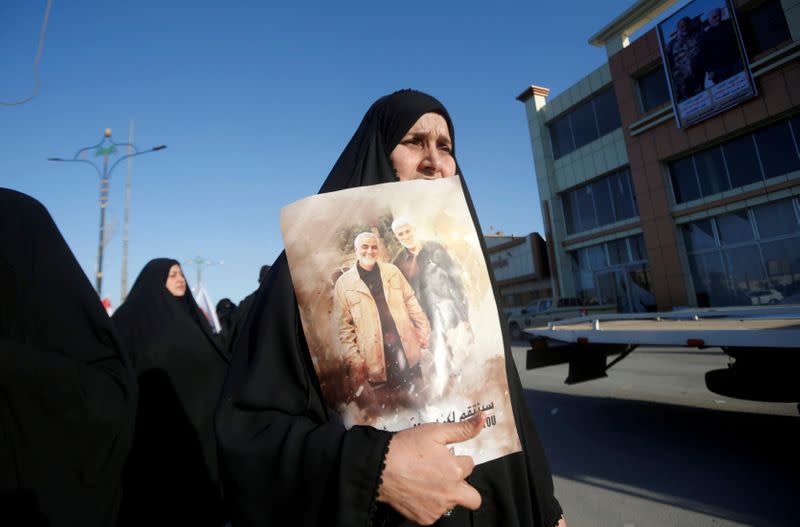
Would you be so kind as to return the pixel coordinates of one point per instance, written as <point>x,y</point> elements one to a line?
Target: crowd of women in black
<point>149,418</point>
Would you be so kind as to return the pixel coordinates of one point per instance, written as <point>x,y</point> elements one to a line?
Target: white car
<point>765,296</point>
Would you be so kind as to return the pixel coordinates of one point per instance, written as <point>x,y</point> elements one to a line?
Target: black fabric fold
<point>283,456</point>
<point>67,391</point>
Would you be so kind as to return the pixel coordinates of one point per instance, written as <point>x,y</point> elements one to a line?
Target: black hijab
<point>67,393</point>
<point>226,311</point>
<point>283,455</point>
<point>172,474</point>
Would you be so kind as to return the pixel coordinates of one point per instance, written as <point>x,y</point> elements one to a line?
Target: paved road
<point>651,446</point>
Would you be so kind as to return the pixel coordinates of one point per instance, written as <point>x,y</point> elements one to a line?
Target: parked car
<point>765,296</point>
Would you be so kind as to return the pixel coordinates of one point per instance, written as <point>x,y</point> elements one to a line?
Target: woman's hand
<point>423,479</point>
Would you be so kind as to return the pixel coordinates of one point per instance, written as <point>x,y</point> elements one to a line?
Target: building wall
<point>645,144</point>
<point>520,267</point>
<point>649,150</point>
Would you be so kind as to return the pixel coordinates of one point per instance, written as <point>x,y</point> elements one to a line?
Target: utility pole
<point>105,148</point>
<point>123,294</point>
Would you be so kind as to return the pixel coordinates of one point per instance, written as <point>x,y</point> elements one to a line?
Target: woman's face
<point>426,151</point>
<point>176,283</point>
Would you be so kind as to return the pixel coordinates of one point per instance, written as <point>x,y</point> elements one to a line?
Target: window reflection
<point>734,228</point>
<point>766,153</point>
<point>699,235</point>
<point>585,123</point>
<point>743,266</point>
<point>777,150</point>
<point>742,161</point>
<point>684,180</point>
<point>711,171</point>
<point>653,89</point>
<point>605,201</point>
<point>776,219</point>
<point>615,272</point>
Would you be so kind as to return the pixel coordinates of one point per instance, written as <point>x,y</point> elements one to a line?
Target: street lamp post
<point>105,148</point>
<point>199,262</point>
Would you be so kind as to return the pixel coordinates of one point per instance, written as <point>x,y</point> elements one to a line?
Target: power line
<point>38,80</point>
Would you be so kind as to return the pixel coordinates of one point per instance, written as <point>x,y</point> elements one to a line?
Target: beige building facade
<point>521,268</point>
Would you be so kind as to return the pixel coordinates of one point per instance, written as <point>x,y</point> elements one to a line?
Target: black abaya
<point>284,457</point>
<point>67,392</point>
<point>172,475</point>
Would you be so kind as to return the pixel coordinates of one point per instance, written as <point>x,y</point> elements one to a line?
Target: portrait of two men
<point>397,308</point>
<point>391,315</point>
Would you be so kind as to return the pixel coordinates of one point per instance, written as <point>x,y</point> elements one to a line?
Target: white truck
<point>544,310</point>
<point>763,343</point>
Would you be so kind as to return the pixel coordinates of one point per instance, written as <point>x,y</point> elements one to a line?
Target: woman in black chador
<point>172,474</point>
<point>286,459</point>
<point>67,392</point>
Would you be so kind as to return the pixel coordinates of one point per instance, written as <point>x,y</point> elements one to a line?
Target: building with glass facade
<point>647,215</point>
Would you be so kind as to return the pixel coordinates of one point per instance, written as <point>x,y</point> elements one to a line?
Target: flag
<point>207,307</point>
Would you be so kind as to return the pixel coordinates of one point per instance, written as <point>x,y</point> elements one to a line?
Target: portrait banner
<point>704,60</point>
<point>398,310</point>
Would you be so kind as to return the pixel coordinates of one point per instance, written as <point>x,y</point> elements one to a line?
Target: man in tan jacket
<point>382,328</point>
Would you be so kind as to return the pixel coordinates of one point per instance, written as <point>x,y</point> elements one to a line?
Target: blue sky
<point>255,104</point>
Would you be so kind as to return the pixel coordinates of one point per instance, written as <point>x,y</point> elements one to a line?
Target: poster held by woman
<point>381,358</point>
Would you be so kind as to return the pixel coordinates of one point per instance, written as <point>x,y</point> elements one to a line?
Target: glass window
<point>585,208</point>
<point>742,161</point>
<point>638,251</point>
<point>569,212</point>
<point>711,171</point>
<point>776,150</point>
<point>699,235</point>
<point>584,123</point>
<point>561,135</point>
<point>734,228</point>
<point>709,279</point>
<point>618,252</point>
<point>776,219</point>
<point>607,111</point>
<point>602,202</point>
<point>782,260</point>
<point>584,127</point>
<point>745,273</point>
<point>684,181</point>
<point>764,27</point>
<point>642,298</point>
<point>796,129</point>
<point>622,194</point>
<point>653,90</point>
<point>596,256</point>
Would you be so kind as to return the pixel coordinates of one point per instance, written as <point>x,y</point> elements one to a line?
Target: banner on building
<point>704,60</point>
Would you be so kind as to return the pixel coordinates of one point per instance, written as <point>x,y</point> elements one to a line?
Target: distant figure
<point>686,59</point>
<point>244,307</point>
<point>226,311</point>
<point>723,59</point>
<point>67,390</point>
<point>172,477</point>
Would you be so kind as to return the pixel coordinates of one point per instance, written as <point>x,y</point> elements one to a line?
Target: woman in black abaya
<point>286,458</point>
<point>172,474</point>
<point>67,392</point>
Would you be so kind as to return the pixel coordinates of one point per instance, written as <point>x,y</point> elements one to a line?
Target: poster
<point>704,60</point>
<point>398,310</point>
